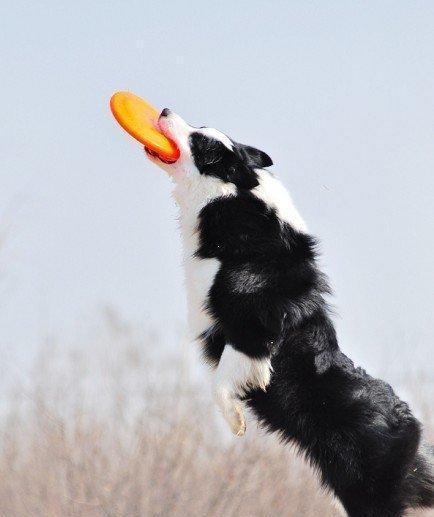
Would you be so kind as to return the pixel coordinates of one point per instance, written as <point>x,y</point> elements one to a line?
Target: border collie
<point>256,302</point>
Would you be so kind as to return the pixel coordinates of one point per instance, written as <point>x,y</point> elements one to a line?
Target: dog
<point>257,304</point>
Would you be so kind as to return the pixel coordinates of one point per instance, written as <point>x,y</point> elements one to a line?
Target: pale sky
<point>340,94</point>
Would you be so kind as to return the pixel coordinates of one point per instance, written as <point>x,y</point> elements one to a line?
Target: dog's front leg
<point>235,374</point>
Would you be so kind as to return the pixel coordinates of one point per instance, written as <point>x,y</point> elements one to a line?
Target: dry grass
<point>109,433</point>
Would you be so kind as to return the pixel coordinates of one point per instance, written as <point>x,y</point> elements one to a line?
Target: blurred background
<point>92,305</point>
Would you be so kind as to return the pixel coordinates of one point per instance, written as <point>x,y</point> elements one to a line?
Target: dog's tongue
<point>139,119</point>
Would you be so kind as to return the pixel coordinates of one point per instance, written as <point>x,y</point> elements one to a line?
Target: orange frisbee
<point>139,119</point>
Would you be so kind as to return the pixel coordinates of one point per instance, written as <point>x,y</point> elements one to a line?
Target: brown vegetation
<point>108,432</point>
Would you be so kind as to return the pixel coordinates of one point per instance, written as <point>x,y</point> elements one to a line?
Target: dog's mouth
<point>154,154</point>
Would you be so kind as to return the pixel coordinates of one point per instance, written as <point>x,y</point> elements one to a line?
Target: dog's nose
<point>165,113</point>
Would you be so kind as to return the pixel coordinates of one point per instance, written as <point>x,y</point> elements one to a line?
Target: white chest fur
<point>191,196</point>
<point>199,277</point>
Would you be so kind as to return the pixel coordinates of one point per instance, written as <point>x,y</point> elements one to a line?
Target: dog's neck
<point>195,191</point>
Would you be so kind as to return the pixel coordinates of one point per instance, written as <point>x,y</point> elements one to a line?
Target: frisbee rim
<point>165,147</point>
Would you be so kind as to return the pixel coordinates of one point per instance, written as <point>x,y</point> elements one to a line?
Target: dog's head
<point>208,152</point>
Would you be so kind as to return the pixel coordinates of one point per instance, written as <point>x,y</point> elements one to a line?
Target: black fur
<point>268,301</point>
<point>235,165</point>
<point>252,157</point>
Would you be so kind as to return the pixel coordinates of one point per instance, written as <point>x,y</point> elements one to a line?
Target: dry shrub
<point>108,432</point>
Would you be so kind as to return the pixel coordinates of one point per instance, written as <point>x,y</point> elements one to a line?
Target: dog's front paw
<point>231,410</point>
<point>236,420</point>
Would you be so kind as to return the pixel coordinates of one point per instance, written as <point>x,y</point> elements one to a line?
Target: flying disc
<point>139,119</point>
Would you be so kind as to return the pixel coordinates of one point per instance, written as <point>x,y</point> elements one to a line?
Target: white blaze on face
<point>217,135</point>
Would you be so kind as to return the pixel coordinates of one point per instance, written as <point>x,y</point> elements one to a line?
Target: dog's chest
<point>199,278</point>
<point>192,195</point>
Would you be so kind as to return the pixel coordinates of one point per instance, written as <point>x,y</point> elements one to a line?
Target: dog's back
<point>359,435</point>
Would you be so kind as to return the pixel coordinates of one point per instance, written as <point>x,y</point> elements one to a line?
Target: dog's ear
<point>242,176</point>
<point>253,157</point>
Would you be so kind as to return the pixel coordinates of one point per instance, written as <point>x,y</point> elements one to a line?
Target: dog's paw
<point>231,410</point>
<point>237,421</point>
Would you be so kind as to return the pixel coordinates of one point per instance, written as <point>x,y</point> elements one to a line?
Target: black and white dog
<point>257,305</point>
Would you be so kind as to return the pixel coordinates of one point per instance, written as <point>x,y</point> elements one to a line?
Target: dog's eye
<point>232,170</point>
